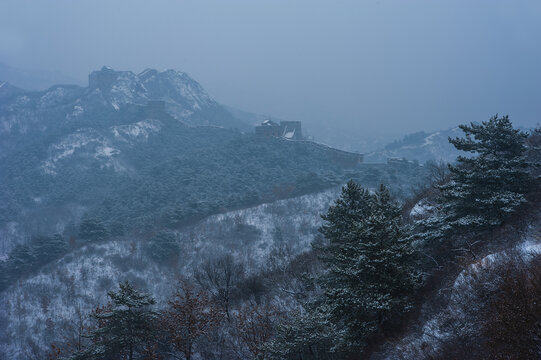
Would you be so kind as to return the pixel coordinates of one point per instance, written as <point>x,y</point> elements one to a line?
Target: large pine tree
<point>486,188</point>
<point>125,328</point>
<point>370,265</point>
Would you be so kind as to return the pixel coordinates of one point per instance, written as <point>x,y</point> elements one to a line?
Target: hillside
<point>420,146</point>
<point>128,154</point>
<point>27,116</point>
<point>116,181</point>
<point>40,309</point>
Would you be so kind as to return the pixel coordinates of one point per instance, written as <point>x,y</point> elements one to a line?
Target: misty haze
<point>270,180</point>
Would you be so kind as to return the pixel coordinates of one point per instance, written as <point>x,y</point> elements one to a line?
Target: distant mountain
<point>420,146</point>
<point>89,172</point>
<point>32,79</point>
<point>148,151</point>
<point>109,94</point>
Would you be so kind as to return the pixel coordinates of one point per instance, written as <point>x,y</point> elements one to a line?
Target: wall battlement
<point>290,130</point>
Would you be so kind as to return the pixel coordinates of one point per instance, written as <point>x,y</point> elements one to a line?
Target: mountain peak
<point>183,97</point>
<point>147,73</point>
<point>105,78</point>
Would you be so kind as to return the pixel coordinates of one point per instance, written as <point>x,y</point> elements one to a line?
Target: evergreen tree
<point>48,248</point>
<point>370,265</point>
<point>125,328</point>
<point>21,259</point>
<point>92,229</point>
<point>342,218</point>
<point>485,189</point>
<point>303,336</point>
<point>164,247</point>
<point>116,228</point>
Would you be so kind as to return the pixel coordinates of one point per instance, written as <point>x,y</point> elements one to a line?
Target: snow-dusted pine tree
<point>125,327</point>
<point>307,335</point>
<point>370,264</point>
<point>486,188</point>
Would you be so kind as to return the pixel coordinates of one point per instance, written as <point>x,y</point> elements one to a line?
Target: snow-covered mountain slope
<point>455,316</point>
<point>40,309</point>
<point>60,108</point>
<point>420,146</point>
<point>185,98</point>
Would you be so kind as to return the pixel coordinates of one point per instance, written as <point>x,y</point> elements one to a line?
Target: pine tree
<point>92,229</point>
<point>303,336</point>
<point>341,218</point>
<point>48,248</point>
<point>485,189</point>
<point>164,247</point>
<point>125,327</point>
<point>370,265</point>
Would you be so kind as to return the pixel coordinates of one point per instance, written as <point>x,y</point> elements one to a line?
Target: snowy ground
<point>453,320</point>
<point>39,310</point>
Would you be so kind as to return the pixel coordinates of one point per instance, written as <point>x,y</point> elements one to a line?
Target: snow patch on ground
<point>429,140</point>
<point>141,129</point>
<point>86,142</point>
<point>52,97</point>
<point>106,151</point>
<point>421,209</point>
<point>435,330</point>
<point>78,110</point>
<point>40,308</point>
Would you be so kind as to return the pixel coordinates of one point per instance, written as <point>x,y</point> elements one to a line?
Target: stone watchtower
<point>291,130</point>
<point>268,128</point>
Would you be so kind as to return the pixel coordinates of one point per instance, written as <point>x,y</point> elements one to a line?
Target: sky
<point>360,68</point>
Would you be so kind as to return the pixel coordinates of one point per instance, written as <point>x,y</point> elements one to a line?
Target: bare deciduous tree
<point>189,317</point>
<point>220,278</point>
<point>439,172</point>
<point>254,324</point>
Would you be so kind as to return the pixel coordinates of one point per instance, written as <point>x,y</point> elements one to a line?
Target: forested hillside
<point>120,174</point>
<point>104,151</point>
<point>138,203</point>
<point>429,278</point>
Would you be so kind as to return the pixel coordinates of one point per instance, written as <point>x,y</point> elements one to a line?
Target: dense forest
<point>379,271</point>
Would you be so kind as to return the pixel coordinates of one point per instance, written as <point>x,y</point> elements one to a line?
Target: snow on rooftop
<point>269,122</point>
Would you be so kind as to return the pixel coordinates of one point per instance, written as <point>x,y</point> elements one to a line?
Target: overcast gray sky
<point>375,66</point>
